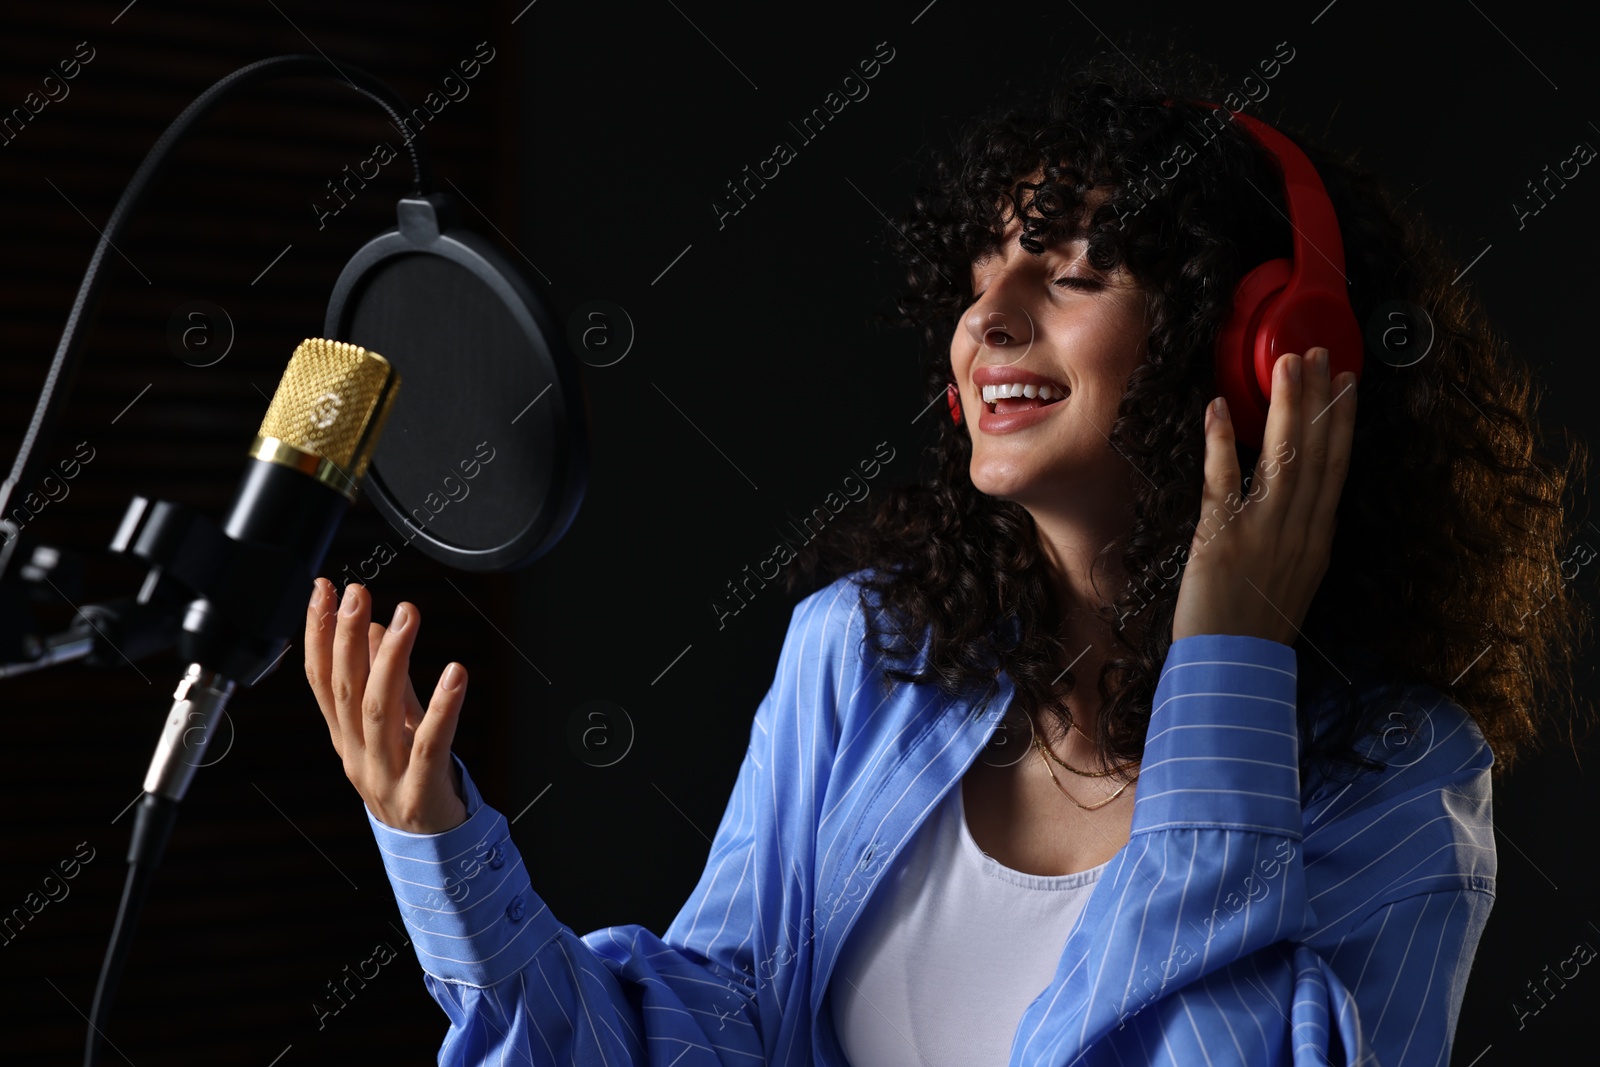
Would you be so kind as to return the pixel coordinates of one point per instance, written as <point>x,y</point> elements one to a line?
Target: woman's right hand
<point>396,754</point>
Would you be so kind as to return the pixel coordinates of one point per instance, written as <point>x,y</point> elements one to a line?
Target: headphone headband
<point>1318,249</point>
<point>1286,305</point>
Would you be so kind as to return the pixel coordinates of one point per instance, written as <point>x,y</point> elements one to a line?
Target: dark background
<point>593,145</point>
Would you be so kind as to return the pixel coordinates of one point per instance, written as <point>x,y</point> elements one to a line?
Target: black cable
<point>152,826</point>
<point>69,353</point>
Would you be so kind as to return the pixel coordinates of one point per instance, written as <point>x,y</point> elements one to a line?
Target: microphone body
<point>306,464</point>
<point>238,629</point>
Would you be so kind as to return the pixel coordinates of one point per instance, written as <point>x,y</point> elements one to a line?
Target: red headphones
<point>1283,305</point>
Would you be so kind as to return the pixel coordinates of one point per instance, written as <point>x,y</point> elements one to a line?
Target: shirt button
<point>497,857</point>
<point>514,909</point>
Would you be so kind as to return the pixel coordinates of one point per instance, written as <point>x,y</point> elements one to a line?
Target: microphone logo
<point>325,410</point>
<point>324,413</point>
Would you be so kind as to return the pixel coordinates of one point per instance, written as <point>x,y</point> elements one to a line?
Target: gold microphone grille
<point>332,402</point>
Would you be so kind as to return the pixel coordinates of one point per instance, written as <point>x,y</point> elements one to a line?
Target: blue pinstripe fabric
<point>1252,918</point>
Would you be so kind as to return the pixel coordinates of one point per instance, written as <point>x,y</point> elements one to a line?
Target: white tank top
<point>950,950</point>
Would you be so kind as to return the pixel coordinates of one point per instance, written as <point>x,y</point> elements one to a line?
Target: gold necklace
<point>1073,725</point>
<point>1040,745</point>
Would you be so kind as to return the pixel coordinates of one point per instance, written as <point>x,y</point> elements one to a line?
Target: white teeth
<point>991,393</point>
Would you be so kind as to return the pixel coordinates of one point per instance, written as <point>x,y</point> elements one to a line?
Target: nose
<point>1002,329</point>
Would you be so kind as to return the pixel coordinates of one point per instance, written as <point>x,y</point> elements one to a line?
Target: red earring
<point>954,399</point>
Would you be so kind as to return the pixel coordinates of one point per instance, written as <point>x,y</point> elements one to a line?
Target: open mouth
<point>1008,404</point>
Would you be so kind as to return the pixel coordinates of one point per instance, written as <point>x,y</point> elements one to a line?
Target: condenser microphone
<point>304,471</point>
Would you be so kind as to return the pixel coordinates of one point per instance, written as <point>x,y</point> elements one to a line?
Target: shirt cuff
<point>464,895</point>
<point>1223,747</point>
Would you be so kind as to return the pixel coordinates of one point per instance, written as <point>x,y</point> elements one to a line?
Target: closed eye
<point>1085,284</point>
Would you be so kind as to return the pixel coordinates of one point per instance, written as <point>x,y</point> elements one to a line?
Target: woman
<point>1262,835</point>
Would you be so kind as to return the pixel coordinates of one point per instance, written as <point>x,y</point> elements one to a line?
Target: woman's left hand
<point>1256,562</point>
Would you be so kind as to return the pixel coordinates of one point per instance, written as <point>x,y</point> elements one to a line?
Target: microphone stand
<point>191,556</point>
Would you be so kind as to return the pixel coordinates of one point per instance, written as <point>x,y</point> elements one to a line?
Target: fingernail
<point>1220,406</point>
<point>1294,369</point>
<point>1324,362</point>
<point>316,594</point>
<point>452,676</point>
<point>398,623</point>
<point>348,605</point>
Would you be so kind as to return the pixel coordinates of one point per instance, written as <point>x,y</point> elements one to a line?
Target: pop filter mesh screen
<point>451,457</point>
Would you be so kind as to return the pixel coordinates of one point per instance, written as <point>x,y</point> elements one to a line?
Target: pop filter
<point>485,457</point>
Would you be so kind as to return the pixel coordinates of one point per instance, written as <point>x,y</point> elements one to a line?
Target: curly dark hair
<point>1446,569</point>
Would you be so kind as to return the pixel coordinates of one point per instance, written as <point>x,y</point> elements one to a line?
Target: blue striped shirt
<point>1250,919</point>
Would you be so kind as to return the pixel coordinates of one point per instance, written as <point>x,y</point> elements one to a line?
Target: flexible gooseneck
<point>69,352</point>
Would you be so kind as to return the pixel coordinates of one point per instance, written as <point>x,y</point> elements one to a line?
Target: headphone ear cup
<point>1306,317</point>
<point>1247,388</point>
<point>953,398</point>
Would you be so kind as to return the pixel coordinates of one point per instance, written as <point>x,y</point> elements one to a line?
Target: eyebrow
<point>1062,247</point>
